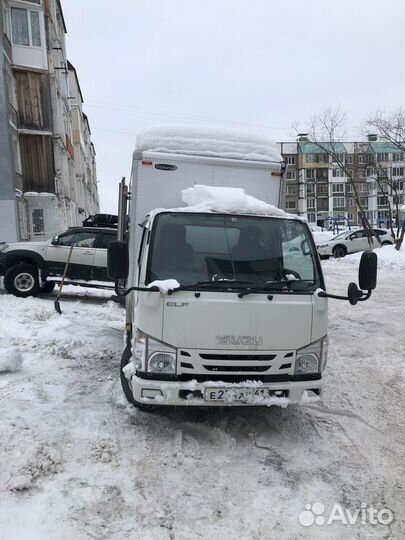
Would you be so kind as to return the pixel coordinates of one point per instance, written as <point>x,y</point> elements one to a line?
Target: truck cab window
<point>194,248</point>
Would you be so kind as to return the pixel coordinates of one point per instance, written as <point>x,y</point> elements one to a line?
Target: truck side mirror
<point>368,271</point>
<point>55,240</point>
<point>117,260</point>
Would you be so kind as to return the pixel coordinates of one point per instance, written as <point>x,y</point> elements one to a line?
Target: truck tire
<point>47,287</point>
<point>339,252</point>
<point>22,280</point>
<point>125,360</point>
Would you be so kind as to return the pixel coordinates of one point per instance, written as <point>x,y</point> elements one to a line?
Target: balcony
<point>13,115</point>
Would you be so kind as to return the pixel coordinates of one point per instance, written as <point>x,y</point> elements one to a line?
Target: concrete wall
<point>9,229</point>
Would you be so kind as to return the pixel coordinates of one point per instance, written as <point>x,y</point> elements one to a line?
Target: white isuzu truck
<point>225,298</point>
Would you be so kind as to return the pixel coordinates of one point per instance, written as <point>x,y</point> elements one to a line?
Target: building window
<point>290,205</point>
<point>311,217</point>
<point>338,202</point>
<point>290,175</point>
<point>17,155</point>
<point>383,156</point>
<point>310,174</point>
<point>338,188</point>
<point>349,202</point>
<point>338,173</point>
<point>26,27</point>
<point>362,158</point>
<point>349,188</point>
<point>310,189</point>
<point>317,158</point>
<point>338,158</point>
<point>363,202</point>
<point>322,189</point>
<point>290,190</point>
<point>382,200</point>
<point>363,187</point>
<point>38,226</point>
<point>349,159</point>
<point>323,204</point>
<point>350,216</point>
<point>399,156</point>
<point>290,160</point>
<point>397,171</point>
<point>371,171</point>
<point>311,203</point>
<point>362,173</point>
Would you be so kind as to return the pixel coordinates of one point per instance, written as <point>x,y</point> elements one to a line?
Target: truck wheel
<point>22,280</point>
<point>339,252</point>
<point>125,360</point>
<point>47,287</point>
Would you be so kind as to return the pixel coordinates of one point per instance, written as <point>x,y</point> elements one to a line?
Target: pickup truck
<point>26,266</point>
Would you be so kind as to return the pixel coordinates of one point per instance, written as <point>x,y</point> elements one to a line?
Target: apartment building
<point>52,182</point>
<point>321,179</point>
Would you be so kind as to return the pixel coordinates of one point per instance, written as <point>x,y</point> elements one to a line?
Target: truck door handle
<point>88,252</point>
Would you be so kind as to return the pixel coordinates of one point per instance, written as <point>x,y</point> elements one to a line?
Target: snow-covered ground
<point>77,462</point>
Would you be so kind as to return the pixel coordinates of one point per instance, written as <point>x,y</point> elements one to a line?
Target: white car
<point>351,242</point>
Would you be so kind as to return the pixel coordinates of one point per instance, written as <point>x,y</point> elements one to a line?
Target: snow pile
<point>201,198</point>
<point>10,359</point>
<point>36,194</point>
<point>46,461</point>
<point>321,237</point>
<point>388,258</point>
<point>165,285</point>
<point>208,142</point>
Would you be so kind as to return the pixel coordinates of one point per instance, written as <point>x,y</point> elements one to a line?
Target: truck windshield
<point>232,251</point>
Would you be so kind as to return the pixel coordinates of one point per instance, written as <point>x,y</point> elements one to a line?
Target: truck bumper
<point>193,393</point>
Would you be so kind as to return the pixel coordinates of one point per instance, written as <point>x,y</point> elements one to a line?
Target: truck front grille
<point>237,368</point>
<point>239,357</point>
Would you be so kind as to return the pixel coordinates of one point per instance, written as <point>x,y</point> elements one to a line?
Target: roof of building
<point>61,15</point>
<point>384,147</point>
<point>322,147</point>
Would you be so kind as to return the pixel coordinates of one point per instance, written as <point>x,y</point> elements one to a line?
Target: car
<point>351,242</point>
<point>27,265</point>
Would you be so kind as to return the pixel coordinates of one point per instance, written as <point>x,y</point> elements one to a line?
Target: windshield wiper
<point>224,284</point>
<point>284,284</point>
<point>274,286</point>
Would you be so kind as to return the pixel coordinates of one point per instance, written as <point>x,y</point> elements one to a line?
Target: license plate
<point>236,394</point>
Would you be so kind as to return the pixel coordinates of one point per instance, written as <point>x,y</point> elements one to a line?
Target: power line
<point>182,116</point>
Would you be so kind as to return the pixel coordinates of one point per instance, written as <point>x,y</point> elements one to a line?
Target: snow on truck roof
<point>208,143</point>
<point>224,200</point>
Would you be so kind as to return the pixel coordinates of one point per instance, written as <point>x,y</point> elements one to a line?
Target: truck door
<point>100,256</point>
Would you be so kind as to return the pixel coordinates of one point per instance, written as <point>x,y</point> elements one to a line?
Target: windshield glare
<point>222,249</point>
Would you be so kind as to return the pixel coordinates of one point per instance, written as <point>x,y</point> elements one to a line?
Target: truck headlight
<point>139,350</point>
<point>312,359</point>
<point>152,355</point>
<point>162,362</point>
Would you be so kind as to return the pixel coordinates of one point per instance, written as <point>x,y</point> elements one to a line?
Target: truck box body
<point>158,179</point>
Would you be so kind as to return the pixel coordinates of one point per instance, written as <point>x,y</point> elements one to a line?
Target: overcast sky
<point>249,64</point>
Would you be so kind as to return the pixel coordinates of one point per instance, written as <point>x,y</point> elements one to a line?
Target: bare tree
<point>327,131</point>
<point>390,126</point>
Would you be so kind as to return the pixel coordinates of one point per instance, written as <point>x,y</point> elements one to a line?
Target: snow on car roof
<point>227,200</point>
<point>210,142</point>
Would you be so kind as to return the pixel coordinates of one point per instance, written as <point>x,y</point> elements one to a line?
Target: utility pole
<point>9,229</point>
